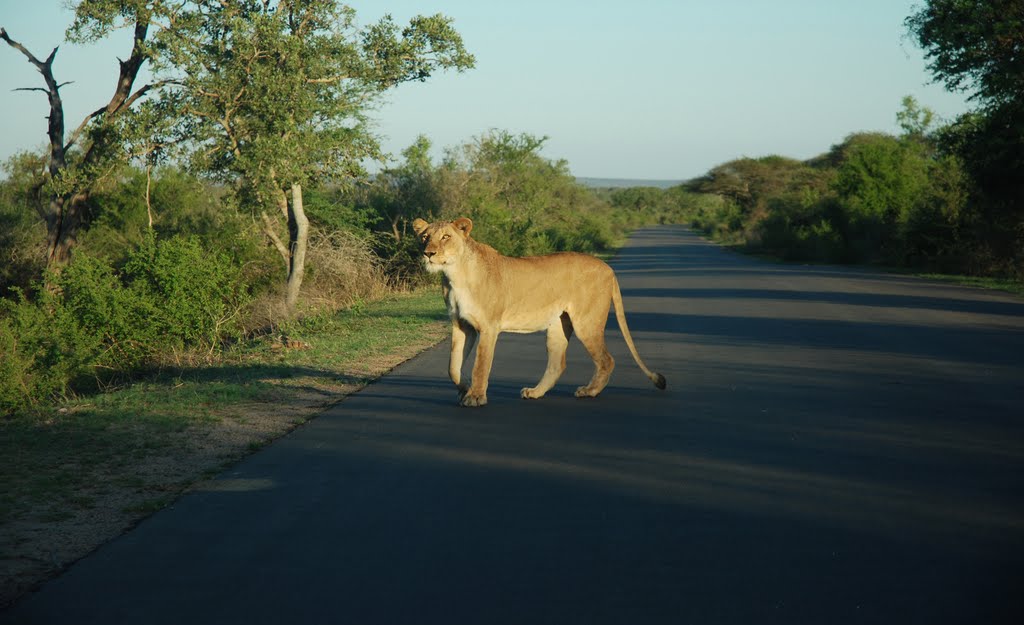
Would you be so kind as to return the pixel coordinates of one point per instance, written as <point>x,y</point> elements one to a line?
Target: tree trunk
<point>149,204</point>
<point>63,225</point>
<point>298,234</point>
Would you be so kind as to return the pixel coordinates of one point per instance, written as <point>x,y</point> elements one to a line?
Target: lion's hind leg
<point>592,338</point>
<point>557,342</point>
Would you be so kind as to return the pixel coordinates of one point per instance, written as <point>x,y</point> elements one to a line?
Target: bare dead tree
<point>64,210</point>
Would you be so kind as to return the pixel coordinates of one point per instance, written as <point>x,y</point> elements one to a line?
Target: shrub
<point>171,296</point>
<point>191,293</point>
<point>22,232</point>
<point>44,351</point>
<point>91,294</point>
<point>342,268</point>
<point>95,323</point>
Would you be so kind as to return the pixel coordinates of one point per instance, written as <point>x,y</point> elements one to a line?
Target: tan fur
<point>488,294</point>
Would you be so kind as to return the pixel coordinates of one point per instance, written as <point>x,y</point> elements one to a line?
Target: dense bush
<point>195,292</point>
<point>45,351</point>
<point>178,204</point>
<point>905,200</point>
<point>521,202</point>
<point>975,47</point>
<point>95,323</point>
<point>22,232</point>
<point>641,206</point>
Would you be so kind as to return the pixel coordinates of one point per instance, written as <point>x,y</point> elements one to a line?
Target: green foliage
<point>976,47</point>
<point>43,351</point>
<point>914,119</point>
<point>380,209</point>
<point>22,231</point>
<point>760,196</point>
<point>880,181</point>
<point>179,205</point>
<point>98,323</point>
<point>804,230</point>
<point>521,203</point>
<point>414,53</point>
<point>873,198</point>
<point>196,290</point>
<point>973,45</point>
<point>638,199</point>
<point>332,208</point>
<point>637,206</point>
<point>170,296</point>
<point>276,93</point>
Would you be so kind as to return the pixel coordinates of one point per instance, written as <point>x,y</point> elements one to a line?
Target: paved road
<point>835,446</point>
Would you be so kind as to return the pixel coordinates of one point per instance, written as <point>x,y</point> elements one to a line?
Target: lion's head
<point>442,242</point>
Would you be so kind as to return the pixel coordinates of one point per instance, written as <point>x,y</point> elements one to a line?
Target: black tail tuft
<point>659,381</point>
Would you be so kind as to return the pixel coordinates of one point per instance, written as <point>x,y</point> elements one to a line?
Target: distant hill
<point>614,183</point>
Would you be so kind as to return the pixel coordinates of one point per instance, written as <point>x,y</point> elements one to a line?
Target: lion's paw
<point>530,393</point>
<point>586,391</point>
<point>472,400</point>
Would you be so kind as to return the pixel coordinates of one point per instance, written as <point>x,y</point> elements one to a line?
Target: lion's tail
<point>620,315</point>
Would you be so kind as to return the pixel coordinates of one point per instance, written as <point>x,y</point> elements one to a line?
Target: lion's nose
<point>429,253</point>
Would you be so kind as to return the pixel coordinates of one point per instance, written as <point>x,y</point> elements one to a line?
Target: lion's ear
<point>465,224</point>
<point>419,226</point>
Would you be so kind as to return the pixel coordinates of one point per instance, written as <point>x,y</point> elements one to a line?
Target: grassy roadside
<point>995,284</point>
<point>76,475</point>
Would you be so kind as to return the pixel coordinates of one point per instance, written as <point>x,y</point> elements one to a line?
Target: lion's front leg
<point>464,338</point>
<point>477,393</point>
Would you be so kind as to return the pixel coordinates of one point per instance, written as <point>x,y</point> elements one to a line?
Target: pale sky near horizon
<point>649,89</point>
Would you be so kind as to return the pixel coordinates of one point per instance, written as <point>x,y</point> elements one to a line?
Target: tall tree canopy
<point>974,45</point>
<point>269,95</point>
<point>977,46</point>
<point>274,94</point>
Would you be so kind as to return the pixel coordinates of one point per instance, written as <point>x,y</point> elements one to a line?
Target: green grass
<point>55,460</point>
<point>353,338</point>
<point>995,284</point>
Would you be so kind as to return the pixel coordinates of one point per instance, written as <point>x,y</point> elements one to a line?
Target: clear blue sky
<point>656,89</point>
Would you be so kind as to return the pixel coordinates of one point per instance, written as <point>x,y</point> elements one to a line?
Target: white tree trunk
<point>298,232</point>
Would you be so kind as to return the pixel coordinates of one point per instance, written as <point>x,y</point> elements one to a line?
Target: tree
<point>748,182</point>
<point>94,149</point>
<point>274,95</point>
<point>915,120</point>
<point>879,181</point>
<point>976,46</point>
<point>637,199</point>
<point>522,203</point>
<point>400,194</point>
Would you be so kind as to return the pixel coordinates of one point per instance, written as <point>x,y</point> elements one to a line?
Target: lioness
<point>488,293</point>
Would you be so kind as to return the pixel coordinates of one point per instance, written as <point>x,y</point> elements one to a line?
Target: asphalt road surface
<point>835,446</point>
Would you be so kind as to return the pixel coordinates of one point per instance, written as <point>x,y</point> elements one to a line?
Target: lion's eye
<point>446,237</point>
